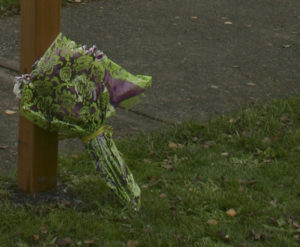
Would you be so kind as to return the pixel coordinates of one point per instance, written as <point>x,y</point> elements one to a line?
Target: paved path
<point>206,57</point>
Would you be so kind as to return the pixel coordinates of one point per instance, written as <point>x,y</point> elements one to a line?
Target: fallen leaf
<point>172,145</point>
<point>250,182</point>
<point>64,242</point>
<point>295,224</point>
<point>147,228</point>
<point>3,147</point>
<point>175,145</point>
<point>132,243</point>
<point>212,222</point>
<point>214,86</point>
<point>168,167</point>
<point>284,118</point>
<point>163,195</point>
<point>250,214</point>
<point>251,84</point>
<point>225,154</point>
<point>181,146</point>
<point>258,236</point>
<point>209,143</point>
<point>44,229</point>
<point>177,237</point>
<point>223,235</point>
<point>145,186</point>
<point>152,178</point>
<point>231,212</point>
<point>89,241</point>
<point>36,237</point>
<point>195,139</point>
<point>266,140</point>
<point>75,156</point>
<point>174,214</point>
<point>287,46</point>
<point>194,17</point>
<point>228,23</point>
<point>10,112</point>
<point>66,203</point>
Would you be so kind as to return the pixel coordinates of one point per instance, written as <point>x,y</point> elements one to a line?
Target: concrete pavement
<point>206,57</point>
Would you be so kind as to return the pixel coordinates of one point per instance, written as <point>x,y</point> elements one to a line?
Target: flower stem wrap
<point>72,90</point>
<point>113,169</point>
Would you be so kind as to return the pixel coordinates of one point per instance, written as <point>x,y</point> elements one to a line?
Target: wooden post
<point>37,159</point>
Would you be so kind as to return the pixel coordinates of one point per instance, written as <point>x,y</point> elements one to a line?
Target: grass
<point>9,7</point>
<point>233,181</point>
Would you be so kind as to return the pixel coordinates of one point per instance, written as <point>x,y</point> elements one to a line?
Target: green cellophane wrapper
<point>72,90</point>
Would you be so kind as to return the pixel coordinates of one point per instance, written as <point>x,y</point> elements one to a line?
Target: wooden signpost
<point>37,158</point>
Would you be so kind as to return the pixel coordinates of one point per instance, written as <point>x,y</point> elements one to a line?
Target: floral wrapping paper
<point>72,90</point>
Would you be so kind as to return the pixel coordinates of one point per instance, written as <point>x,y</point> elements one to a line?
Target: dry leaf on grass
<point>145,186</point>
<point>295,224</point>
<point>89,241</point>
<point>162,195</point>
<point>168,167</point>
<point>223,235</point>
<point>225,154</point>
<point>132,243</point>
<point>175,145</point>
<point>36,237</point>
<point>212,222</point>
<point>231,212</point>
<point>44,229</point>
<point>195,139</point>
<point>65,242</point>
<point>147,161</point>
<point>75,156</point>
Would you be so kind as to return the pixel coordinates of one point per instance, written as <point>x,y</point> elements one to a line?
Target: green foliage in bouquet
<point>72,90</point>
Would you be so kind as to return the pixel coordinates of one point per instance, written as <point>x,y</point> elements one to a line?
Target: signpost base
<point>37,157</point>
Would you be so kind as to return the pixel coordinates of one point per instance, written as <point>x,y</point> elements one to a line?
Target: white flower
<point>19,82</point>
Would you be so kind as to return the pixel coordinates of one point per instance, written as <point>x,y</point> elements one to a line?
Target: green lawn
<point>233,181</point>
<point>9,7</point>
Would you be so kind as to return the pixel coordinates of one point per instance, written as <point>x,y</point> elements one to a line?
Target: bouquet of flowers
<point>72,90</point>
